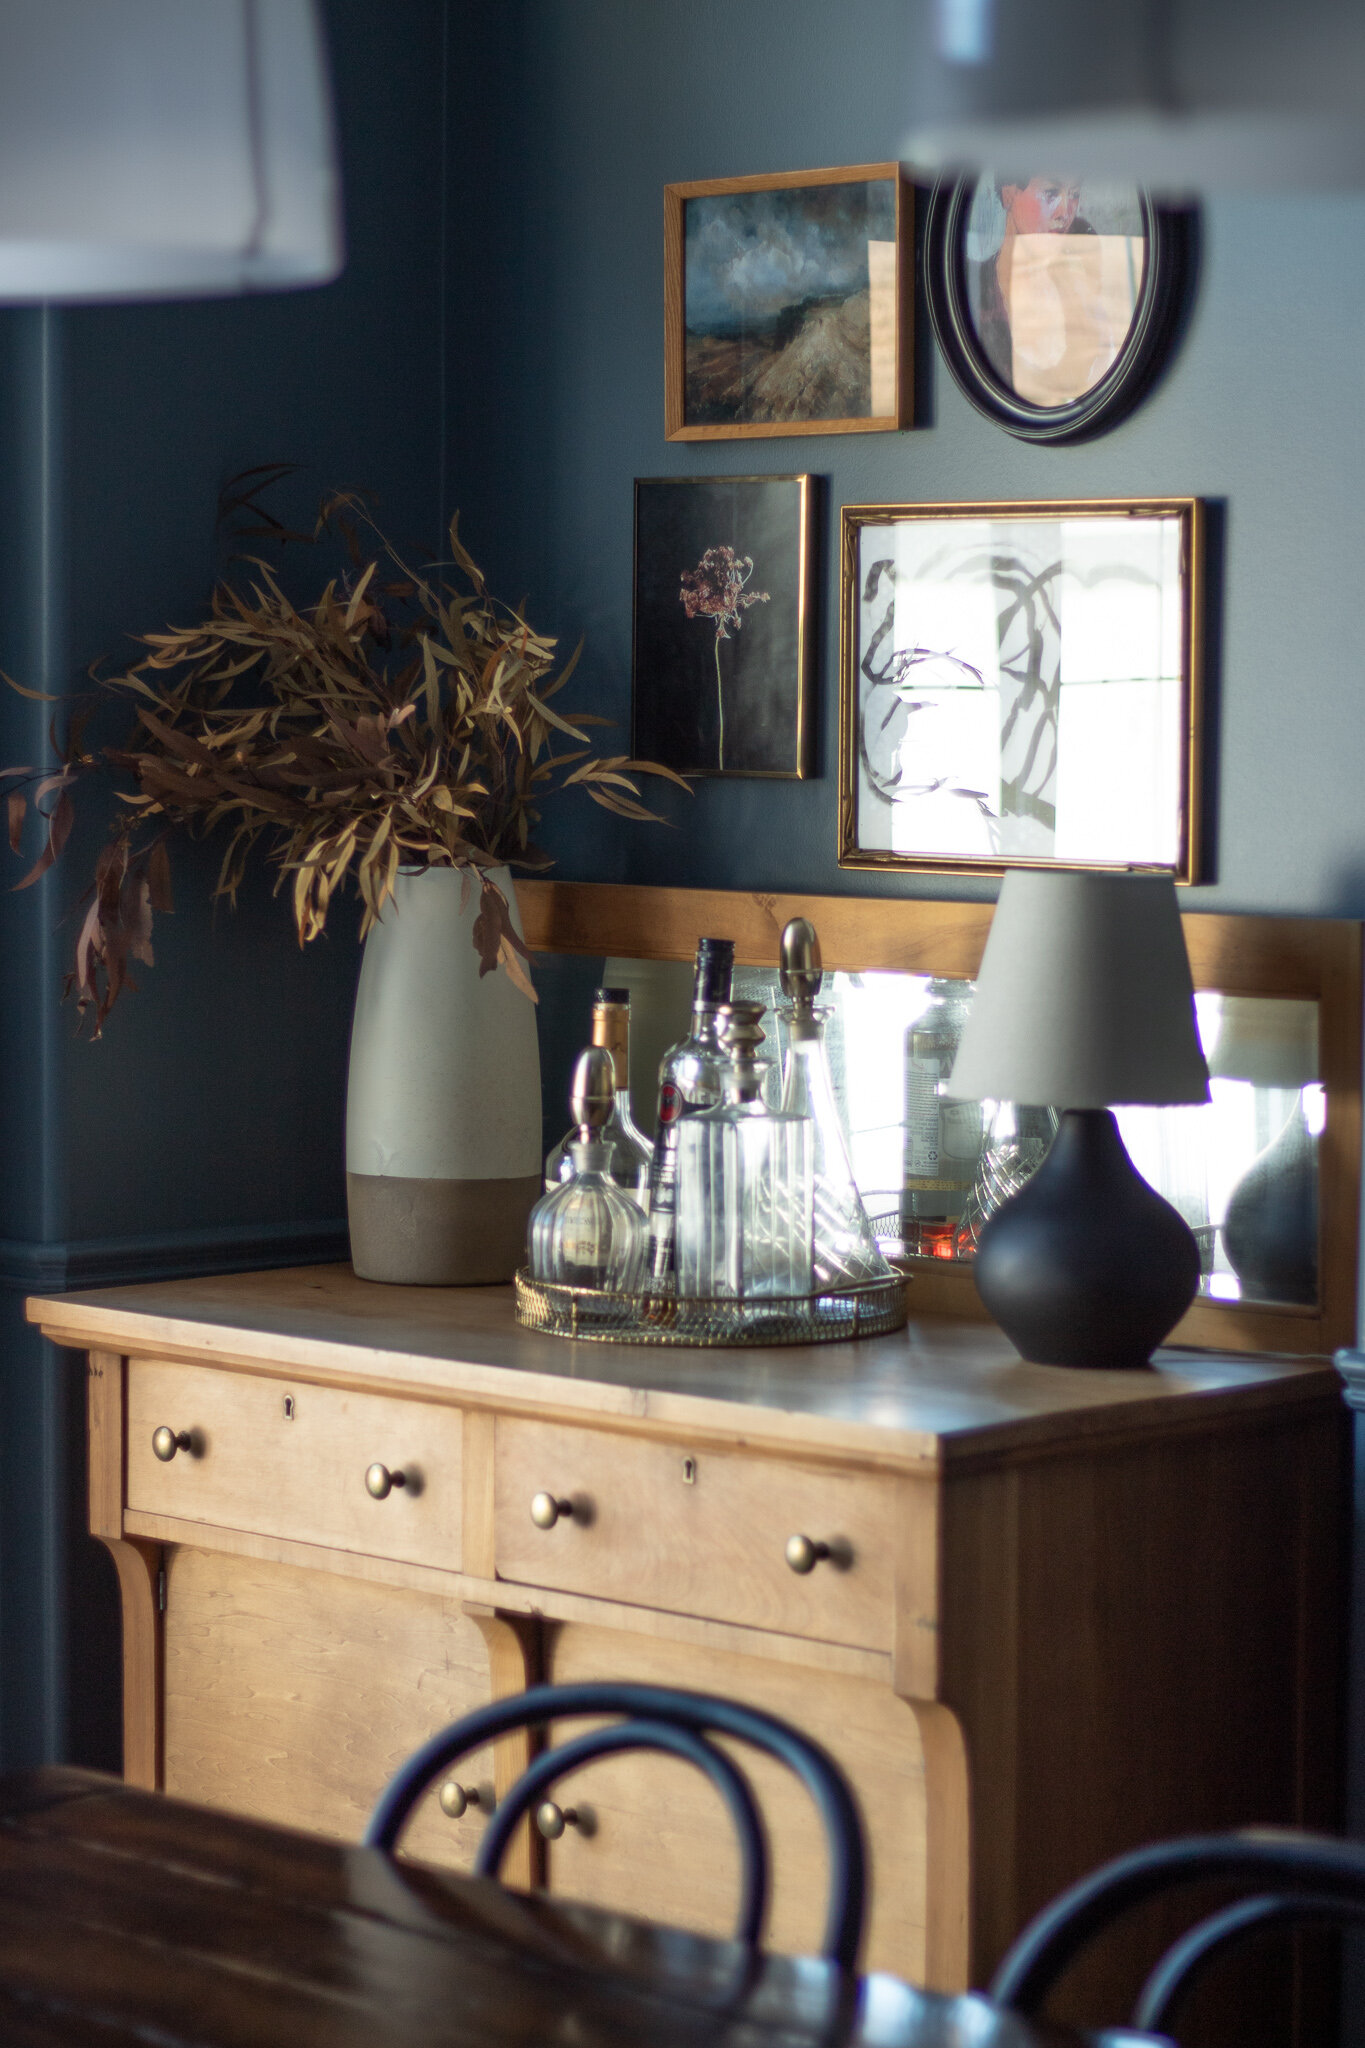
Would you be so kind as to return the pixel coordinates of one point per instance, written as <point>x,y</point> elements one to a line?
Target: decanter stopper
<point>593,1094</point>
<point>801,974</point>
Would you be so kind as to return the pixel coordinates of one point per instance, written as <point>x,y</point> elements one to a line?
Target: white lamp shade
<point>1271,1040</point>
<point>1177,95</point>
<point>1084,998</point>
<point>165,149</point>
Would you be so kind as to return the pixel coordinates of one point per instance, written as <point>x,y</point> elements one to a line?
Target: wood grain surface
<point>126,1918</point>
<point>938,1393</point>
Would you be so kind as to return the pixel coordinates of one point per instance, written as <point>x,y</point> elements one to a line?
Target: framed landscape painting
<point>787,304</point>
<point>1019,685</point>
<point>722,647</point>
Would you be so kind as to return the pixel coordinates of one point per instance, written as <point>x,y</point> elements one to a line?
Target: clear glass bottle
<point>942,1138</point>
<point>844,1250</point>
<point>744,1182</point>
<point>1018,1140</point>
<point>587,1232</point>
<point>691,1078</point>
<point>631,1152</point>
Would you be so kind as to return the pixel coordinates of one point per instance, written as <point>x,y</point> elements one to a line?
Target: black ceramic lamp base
<point>1087,1265</point>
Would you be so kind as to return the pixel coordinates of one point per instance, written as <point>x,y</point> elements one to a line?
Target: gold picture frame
<point>1020,685</point>
<point>738,356</point>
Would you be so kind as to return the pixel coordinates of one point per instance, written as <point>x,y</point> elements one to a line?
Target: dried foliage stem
<point>403,718</point>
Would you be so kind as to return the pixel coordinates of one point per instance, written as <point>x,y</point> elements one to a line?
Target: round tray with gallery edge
<point>589,1313</point>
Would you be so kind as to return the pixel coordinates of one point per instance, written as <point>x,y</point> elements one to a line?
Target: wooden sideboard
<point>1064,1612</point>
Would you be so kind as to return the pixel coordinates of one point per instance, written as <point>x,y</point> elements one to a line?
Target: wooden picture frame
<point>1318,959</point>
<point>1032,398</point>
<point>721,648</point>
<point>979,725</point>
<point>732,350</point>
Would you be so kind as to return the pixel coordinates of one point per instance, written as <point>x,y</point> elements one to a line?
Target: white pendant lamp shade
<point>1180,96</point>
<point>164,149</point>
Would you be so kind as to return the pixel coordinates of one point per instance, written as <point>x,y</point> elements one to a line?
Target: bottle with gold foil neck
<point>629,1151</point>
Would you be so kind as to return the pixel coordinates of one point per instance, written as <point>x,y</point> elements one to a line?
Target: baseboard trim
<point>118,1261</point>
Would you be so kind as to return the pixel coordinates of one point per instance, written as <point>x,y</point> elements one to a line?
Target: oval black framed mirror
<point>1054,300</point>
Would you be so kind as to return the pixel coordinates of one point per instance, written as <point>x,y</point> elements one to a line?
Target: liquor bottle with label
<point>744,1182</point>
<point>845,1249</point>
<point>588,1232</point>
<point>631,1152</point>
<point>942,1138</point>
<point>691,1077</point>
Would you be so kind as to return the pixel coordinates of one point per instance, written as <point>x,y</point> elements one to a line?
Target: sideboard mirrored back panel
<point>1266,1173</point>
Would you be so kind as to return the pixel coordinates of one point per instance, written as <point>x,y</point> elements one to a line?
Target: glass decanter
<point>744,1183</point>
<point>631,1152</point>
<point>845,1252</point>
<point>690,1079</point>
<point>588,1232</point>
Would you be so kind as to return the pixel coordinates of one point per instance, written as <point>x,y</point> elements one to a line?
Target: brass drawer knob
<point>456,1800</point>
<point>166,1442</point>
<point>803,1555</point>
<point>551,1820</point>
<point>380,1482</point>
<point>545,1512</point>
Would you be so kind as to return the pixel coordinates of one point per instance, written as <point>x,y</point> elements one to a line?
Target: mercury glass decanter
<point>845,1249</point>
<point>744,1182</point>
<point>587,1232</point>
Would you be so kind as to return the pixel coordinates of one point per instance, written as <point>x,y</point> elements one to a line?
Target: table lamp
<point>1084,1000</point>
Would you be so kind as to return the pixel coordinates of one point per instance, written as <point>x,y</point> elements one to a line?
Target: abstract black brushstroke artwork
<point>1019,685</point>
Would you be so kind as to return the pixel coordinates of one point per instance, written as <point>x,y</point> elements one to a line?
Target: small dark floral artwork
<point>715,590</point>
<point>703,547</point>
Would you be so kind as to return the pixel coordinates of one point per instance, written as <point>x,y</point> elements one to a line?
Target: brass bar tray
<point>595,1317</point>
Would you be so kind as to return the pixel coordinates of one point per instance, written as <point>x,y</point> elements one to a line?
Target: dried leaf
<point>18,804</point>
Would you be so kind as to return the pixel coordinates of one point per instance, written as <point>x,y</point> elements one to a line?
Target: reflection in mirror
<point>1054,271</point>
<point>1242,1169</point>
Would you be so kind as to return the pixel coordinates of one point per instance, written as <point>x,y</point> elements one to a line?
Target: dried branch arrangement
<point>403,718</point>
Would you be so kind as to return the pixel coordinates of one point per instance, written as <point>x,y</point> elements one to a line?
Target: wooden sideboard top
<point>939,1392</point>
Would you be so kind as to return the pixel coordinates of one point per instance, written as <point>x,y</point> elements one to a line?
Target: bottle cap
<point>611,995</point>
<point>715,968</point>
<point>800,957</point>
<point>593,1095</point>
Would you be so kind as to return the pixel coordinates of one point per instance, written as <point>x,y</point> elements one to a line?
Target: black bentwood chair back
<point>678,1724</point>
<point>1285,1876</point>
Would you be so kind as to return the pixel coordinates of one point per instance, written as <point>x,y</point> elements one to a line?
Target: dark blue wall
<point>206,1127</point>
<point>496,344</point>
<point>1263,411</point>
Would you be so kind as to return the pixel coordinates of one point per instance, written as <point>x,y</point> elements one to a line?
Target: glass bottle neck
<point>611,1031</point>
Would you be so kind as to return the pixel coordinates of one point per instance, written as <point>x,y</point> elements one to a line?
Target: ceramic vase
<point>443,1134</point>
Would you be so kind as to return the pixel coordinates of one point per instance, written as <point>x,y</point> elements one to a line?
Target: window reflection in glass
<point>1242,1169</point>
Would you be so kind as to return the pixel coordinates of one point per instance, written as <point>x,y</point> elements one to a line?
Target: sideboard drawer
<point>701,1531</point>
<point>287,1460</point>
